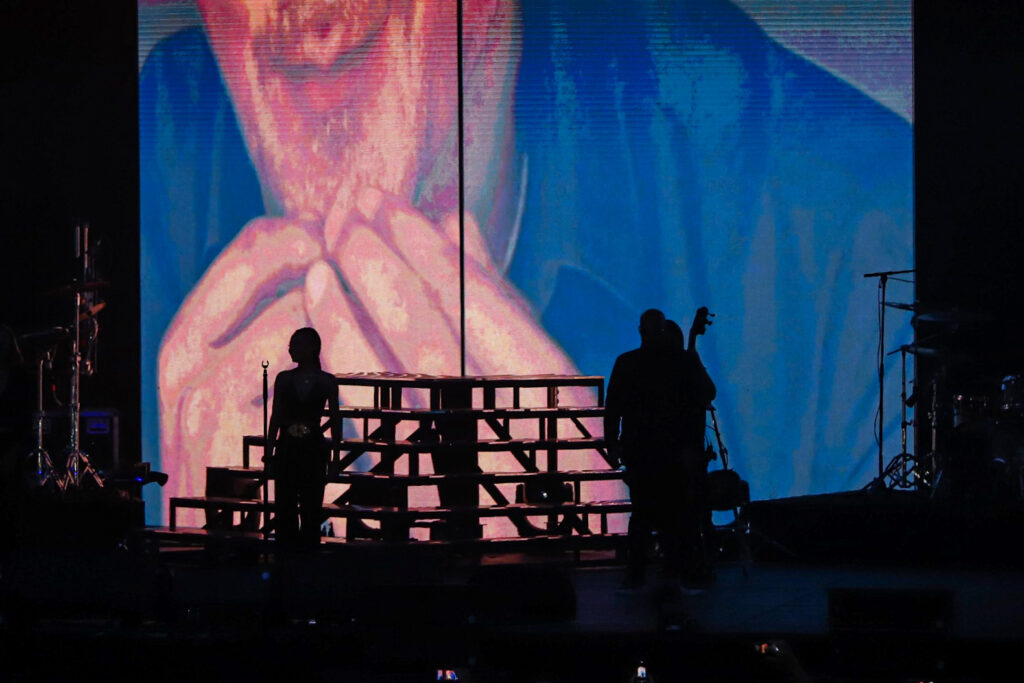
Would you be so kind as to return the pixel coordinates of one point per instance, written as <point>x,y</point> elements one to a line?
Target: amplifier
<point>98,435</point>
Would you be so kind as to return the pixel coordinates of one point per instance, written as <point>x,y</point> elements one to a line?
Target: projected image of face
<point>333,96</point>
<point>299,168</point>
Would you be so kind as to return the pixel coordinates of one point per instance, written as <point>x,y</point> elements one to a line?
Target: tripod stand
<point>78,466</point>
<point>43,474</point>
<point>906,470</point>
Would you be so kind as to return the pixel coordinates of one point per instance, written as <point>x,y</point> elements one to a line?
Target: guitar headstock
<point>701,321</point>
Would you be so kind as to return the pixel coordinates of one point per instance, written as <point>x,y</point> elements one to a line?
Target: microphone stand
<point>883,279</point>
<point>266,455</point>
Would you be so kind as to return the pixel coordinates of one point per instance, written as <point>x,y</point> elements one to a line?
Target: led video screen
<point>299,167</point>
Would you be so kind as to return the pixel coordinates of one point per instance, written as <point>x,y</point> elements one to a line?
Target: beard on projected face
<point>333,97</point>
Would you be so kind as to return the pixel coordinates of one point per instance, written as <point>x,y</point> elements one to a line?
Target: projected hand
<point>258,291</point>
<point>243,311</point>
<point>380,284</point>
<point>404,273</point>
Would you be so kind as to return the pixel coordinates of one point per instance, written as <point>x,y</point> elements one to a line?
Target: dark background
<point>70,153</point>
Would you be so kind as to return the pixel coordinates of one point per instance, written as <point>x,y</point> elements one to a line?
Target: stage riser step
<point>482,445</point>
<point>434,479</point>
<point>372,512</point>
<point>409,381</point>
<point>419,414</point>
<point>512,544</point>
<point>409,515</point>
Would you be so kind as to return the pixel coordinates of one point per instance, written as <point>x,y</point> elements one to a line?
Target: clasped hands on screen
<point>379,282</point>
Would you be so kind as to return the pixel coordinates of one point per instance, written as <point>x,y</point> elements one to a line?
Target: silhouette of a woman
<point>299,450</point>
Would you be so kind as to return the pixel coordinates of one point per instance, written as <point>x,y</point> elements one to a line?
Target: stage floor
<point>783,600</point>
<point>513,622</point>
<point>237,609</point>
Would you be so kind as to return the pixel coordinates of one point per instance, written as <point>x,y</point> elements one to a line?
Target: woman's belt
<point>298,430</point>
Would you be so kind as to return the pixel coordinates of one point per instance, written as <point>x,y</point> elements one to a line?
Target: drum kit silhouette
<point>77,470</point>
<point>974,443</point>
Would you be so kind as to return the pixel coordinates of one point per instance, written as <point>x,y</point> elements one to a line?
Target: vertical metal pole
<point>881,377</point>
<point>266,454</point>
<point>883,279</point>
<point>75,461</point>
<point>903,399</point>
<point>73,475</point>
<point>266,397</point>
<point>462,202</point>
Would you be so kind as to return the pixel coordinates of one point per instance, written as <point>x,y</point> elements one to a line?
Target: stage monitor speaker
<point>99,436</point>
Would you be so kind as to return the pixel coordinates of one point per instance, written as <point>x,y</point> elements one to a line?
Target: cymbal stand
<point>78,465</point>
<point>44,474</point>
<point>905,471</point>
<point>903,401</point>
<point>933,417</point>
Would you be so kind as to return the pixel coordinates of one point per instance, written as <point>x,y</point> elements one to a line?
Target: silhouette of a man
<point>651,393</point>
